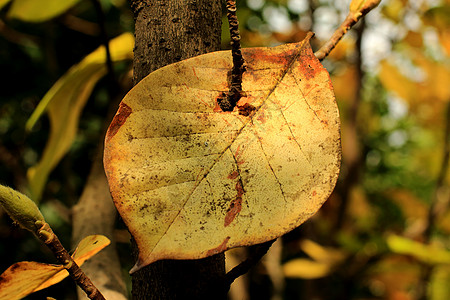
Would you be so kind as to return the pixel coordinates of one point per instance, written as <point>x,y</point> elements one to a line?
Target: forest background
<point>384,232</point>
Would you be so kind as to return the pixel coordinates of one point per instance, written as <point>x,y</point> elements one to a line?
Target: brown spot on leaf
<point>309,65</point>
<point>219,249</point>
<point>235,205</point>
<point>233,175</point>
<point>260,54</point>
<point>119,119</point>
<point>261,117</point>
<point>246,109</point>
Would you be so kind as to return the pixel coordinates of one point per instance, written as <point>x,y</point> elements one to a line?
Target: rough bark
<point>168,31</point>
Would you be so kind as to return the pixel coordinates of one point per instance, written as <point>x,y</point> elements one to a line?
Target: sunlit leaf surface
<point>191,180</point>
<point>26,277</point>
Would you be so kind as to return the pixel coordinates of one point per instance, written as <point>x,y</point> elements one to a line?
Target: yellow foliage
<point>27,277</point>
<point>39,11</point>
<point>190,180</point>
<point>64,103</point>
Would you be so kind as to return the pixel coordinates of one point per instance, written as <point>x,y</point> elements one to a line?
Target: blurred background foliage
<point>384,232</point>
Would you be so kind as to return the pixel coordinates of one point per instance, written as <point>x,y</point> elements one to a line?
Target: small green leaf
<point>39,10</point>
<point>20,208</point>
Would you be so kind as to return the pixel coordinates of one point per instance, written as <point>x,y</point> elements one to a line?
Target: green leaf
<point>430,254</point>
<point>64,103</point>
<point>39,10</point>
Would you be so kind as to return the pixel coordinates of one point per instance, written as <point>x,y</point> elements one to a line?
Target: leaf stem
<point>255,256</point>
<point>46,235</point>
<point>351,19</point>
<point>228,102</point>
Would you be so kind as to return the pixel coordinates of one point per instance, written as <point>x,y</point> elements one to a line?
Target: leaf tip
<point>139,265</point>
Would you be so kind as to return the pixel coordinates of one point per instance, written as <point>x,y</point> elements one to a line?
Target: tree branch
<point>257,252</point>
<point>355,14</point>
<point>228,101</point>
<point>46,235</point>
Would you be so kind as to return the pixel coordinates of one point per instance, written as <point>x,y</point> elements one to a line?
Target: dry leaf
<point>88,247</point>
<point>190,180</point>
<point>26,277</point>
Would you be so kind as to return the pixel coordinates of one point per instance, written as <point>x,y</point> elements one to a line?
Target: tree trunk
<point>168,31</point>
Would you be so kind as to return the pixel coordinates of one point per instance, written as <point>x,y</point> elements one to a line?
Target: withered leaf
<point>190,180</point>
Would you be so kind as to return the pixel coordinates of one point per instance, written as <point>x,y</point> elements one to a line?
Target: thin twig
<point>228,102</point>
<point>105,40</point>
<point>351,19</point>
<point>46,235</point>
<point>254,257</point>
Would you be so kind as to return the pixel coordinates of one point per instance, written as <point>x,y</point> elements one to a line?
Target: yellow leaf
<point>430,254</point>
<point>190,180</point>
<point>3,3</point>
<point>39,11</point>
<point>64,103</point>
<point>357,6</point>
<point>87,248</point>
<point>306,269</point>
<point>322,254</point>
<point>24,278</point>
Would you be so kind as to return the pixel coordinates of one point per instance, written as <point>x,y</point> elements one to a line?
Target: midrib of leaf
<point>203,176</point>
